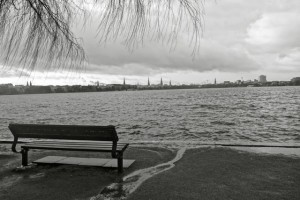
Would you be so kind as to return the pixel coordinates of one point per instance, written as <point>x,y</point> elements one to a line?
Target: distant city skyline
<point>161,81</point>
<point>241,40</point>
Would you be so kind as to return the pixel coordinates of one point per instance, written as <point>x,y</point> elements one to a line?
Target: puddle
<point>38,175</point>
<point>131,182</point>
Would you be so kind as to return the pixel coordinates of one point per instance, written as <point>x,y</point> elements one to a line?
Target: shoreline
<point>46,89</point>
<point>285,149</point>
<point>80,182</point>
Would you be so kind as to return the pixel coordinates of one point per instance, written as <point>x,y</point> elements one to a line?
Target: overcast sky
<point>242,39</point>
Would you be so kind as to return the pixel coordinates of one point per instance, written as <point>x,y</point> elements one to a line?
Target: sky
<point>241,40</point>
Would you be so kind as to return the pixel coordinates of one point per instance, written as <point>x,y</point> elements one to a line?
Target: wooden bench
<point>62,137</point>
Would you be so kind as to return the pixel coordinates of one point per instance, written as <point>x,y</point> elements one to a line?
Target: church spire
<point>148,82</point>
<point>161,82</point>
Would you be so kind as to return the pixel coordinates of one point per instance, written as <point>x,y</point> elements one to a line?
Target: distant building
<point>226,82</point>
<point>124,82</point>
<point>117,86</point>
<point>295,81</point>
<point>215,81</point>
<point>262,79</point>
<point>170,83</point>
<point>161,82</point>
<point>148,82</point>
<point>275,83</point>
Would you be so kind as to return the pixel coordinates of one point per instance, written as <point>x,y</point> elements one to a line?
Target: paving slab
<point>71,161</point>
<point>114,163</point>
<point>99,162</point>
<point>94,162</point>
<point>50,159</point>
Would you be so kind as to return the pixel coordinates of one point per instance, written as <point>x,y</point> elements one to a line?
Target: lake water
<point>231,115</point>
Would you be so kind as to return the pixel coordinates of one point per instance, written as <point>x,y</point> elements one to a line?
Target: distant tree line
<point>9,89</point>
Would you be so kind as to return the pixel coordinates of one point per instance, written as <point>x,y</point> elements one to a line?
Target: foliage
<point>39,32</point>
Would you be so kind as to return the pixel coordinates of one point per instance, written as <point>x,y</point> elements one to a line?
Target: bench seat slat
<point>74,145</point>
<point>73,149</point>
<point>77,142</point>
<point>96,145</point>
<point>70,147</point>
<point>65,147</point>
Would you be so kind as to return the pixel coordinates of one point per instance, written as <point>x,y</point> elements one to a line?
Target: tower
<point>161,82</point>
<point>148,82</point>
<point>124,82</point>
<point>215,81</point>
<point>262,78</point>
<point>170,83</point>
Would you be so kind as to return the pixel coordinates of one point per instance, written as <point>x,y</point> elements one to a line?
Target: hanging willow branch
<point>160,20</point>
<point>38,32</point>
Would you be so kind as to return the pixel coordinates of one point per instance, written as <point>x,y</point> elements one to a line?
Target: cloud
<point>158,59</point>
<point>6,72</point>
<point>274,41</point>
<point>242,38</point>
<point>275,31</point>
<point>290,60</point>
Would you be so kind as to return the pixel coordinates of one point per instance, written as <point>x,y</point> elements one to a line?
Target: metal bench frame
<point>106,134</point>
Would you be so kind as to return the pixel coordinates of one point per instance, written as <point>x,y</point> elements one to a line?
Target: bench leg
<point>24,153</point>
<point>120,163</point>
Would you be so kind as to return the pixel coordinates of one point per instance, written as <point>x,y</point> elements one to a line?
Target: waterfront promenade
<point>202,173</point>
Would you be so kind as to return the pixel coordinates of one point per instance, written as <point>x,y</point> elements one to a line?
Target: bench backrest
<point>67,132</point>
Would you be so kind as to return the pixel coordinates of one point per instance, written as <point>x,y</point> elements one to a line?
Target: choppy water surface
<point>247,115</point>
